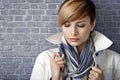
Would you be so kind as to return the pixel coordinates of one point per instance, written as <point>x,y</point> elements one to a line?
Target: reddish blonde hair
<point>71,10</point>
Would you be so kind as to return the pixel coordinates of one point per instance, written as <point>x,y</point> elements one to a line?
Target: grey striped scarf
<point>77,67</point>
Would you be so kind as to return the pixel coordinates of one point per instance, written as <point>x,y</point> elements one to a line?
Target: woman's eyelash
<point>81,26</point>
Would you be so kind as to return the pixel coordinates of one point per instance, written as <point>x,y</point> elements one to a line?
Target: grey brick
<point>10,65</point>
<point>110,24</point>
<point>17,1</point>
<point>116,6</point>
<point>45,18</point>
<point>21,37</point>
<point>24,77</point>
<point>37,18</point>
<point>2,5</point>
<point>52,6</point>
<point>0,24</point>
<point>108,6</point>
<point>107,12</point>
<point>43,6</point>
<point>104,1</point>
<point>118,1</point>
<point>116,18</point>
<point>27,42</point>
<point>9,30</point>
<point>115,36</point>
<point>9,71</point>
<point>108,18</point>
<point>19,71</point>
<point>2,30</point>
<point>51,12</point>
<point>18,18</point>
<point>7,60</point>
<point>9,43</point>
<point>34,54</point>
<point>10,77</point>
<point>18,48</point>
<point>8,48</point>
<point>34,24</point>
<point>53,18</point>
<point>4,12</point>
<point>53,1</point>
<point>36,12</point>
<point>118,11</point>
<point>28,70</point>
<point>22,30</point>
<point>21,6</point>
<point>34,6</point>
<point>1,38</point>
<point>27,18</point>
<point>35,1</point>
<point>35,48</point>
<point>22,54</point>
<point>4,1</point>
<point>100,6</point>
<point>17,12</point>
<point>34,30</point>
<point>112,30</point>
<point>2,18</point>
<point>1,48</point>
<point>53,30</point>
<point>5,24</point>
<point>8,6</point>
<point>27,65</point>
<point>118,24</point>
<point>27,60</point>
<point>50,24</point>
<point>42,41</point>
<point>43,30</point>
<point>26,48</point>
<point>15,24</point>
<point>35,36</point>
<point>9,18</point>
<point>17,60</point>
<point>8,37</point>
<point>114,1</point>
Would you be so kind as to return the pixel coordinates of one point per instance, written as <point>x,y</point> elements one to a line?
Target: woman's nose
<point>73,31</point>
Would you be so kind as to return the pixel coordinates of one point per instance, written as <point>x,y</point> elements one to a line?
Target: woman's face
<point>77,32</point>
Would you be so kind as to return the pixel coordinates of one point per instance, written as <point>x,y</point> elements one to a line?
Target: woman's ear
<point>93,24</point>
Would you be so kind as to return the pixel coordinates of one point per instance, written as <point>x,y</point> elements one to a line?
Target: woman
<point>82,52</point>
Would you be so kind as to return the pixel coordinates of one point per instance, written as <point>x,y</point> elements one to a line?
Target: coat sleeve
<point>38,69</point>
<point>117,68</point>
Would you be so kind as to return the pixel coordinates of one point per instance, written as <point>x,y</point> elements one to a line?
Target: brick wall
<point>24,24</point>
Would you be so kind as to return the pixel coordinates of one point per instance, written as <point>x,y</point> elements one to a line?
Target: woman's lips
<point>74,39</point>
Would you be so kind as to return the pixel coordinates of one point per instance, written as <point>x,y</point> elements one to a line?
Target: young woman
<point>82,52</point>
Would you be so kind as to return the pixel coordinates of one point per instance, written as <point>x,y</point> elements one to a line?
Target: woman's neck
<point>80,47</point>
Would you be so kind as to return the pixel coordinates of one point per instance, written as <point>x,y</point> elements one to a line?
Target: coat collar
<point>101,42</point>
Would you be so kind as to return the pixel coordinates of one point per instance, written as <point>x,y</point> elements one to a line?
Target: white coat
<point>108,60</point>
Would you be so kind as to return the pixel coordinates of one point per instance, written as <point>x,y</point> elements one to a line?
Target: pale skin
<point>76,34</point>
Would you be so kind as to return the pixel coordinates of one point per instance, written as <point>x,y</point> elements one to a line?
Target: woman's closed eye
<point>80,26</point>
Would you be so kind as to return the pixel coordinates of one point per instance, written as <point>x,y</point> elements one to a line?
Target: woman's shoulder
<point>111,54</point>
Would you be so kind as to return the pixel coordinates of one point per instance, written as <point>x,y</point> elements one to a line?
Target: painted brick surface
<point>24,25</point>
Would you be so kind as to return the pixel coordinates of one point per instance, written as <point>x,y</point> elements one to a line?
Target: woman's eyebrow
<point>81,21</point>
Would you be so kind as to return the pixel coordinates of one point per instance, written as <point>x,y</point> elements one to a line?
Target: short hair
<point>71,10</point>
